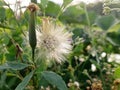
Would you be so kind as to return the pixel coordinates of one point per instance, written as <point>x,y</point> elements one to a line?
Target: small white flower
<point>103,54</point>
<point>117,58</point>
<point>76,84</point>
<point>114,57</point>
<point>81,59</point>
<point>93,53</point>
<point>53,42</point>
<point>93,67</point>
<point>111,58</point>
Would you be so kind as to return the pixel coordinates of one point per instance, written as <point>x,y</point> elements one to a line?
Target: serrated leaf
<point>49,77</point>
<point>25,81</point>
<point>106,22</point>
<point>13,65</point>
<point>117,73</point>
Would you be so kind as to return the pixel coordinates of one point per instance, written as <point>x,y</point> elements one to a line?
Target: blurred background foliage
<point>95,58</point>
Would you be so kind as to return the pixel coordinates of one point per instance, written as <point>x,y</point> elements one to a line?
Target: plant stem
<point>92,42</point>
<point>87,17</point>
<point>33,55</point>
<point>32,38</point>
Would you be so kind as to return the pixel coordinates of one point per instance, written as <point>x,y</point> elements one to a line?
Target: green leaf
<point>52,9</point>
<point>42,66</point>
<point>113,38</point>
<point>117,73</point>
<point>78,32</point>
<point>66,2</point>
<point>73,14</point>
<point>111,41</point>
<point>78,49</point>
<point>2,3</point>
<point>2,79</point>
<point>5,26</point>
<point>106,22</point>
<point>25,81</point>
<point>13,65</point>
<point>54,79</point>
<point>6,39</point>
<point>44,3</point>
<point>2,14</point>
<point>92,16</point>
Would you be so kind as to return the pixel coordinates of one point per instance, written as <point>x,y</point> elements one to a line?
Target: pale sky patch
<point>16,4</point>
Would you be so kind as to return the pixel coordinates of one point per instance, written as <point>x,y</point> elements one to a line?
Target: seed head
<point>53,42</point>
<point>33,7</point>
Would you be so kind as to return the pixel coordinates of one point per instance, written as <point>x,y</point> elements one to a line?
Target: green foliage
<point>66,2</point>
<point>54,11</point>
<point>117,73</point>
<point>2,14</point>
<point>106,22</point>
<point>1,2</point>
<point>93,58</point>
<point>13,66</point>
<point>44,3</point>
<point>113,38</point>
<point>25,81</point>
<point>73,14</point>
<point>53,79</point>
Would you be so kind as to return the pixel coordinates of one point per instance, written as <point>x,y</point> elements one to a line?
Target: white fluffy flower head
<point>53,42</point>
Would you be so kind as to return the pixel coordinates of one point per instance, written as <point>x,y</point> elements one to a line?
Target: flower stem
<point>92,42</point>
<point>33,55</point>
